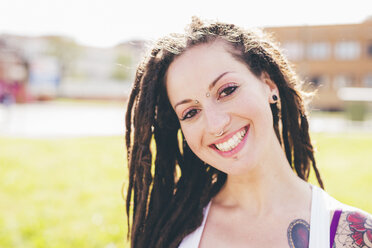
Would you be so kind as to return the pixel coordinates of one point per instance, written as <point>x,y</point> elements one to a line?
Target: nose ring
<point>219,134</point>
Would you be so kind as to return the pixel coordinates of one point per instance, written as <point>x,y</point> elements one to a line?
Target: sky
<point>105,23</point>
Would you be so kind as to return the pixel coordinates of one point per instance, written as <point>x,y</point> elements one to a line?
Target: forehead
<point>196,68</point>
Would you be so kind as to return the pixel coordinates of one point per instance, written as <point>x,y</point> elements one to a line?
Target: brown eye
<point>189,114</point>
<point>228,90</point>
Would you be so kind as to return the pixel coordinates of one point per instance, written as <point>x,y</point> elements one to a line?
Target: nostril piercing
<point>219,134</point>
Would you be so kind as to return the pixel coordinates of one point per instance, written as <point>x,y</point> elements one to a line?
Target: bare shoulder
<point>354,230</point>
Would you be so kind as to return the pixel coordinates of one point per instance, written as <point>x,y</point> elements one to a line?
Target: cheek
<point>251,106</point>
<point>190,135</point>
<point>193,138</point>
<point>258,111</point>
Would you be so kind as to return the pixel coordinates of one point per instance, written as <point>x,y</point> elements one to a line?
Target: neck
<point>270,185</point>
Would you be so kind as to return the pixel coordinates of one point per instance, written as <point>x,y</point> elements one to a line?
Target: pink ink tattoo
<point>361,228</point>
<point>298,234</point>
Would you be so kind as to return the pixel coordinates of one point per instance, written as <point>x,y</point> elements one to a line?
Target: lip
<point>227,137</point>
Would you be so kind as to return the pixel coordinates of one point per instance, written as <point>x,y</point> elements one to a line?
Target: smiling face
<point>212,91</point>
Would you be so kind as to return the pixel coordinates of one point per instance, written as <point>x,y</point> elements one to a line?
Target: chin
<point>237,168</point>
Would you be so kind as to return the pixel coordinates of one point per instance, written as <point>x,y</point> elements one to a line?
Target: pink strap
<point>334,225</point>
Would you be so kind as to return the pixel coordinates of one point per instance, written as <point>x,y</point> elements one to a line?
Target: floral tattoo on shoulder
<point>361,228</point>
<point>354,230</point>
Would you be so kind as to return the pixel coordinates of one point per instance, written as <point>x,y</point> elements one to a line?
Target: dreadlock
<point>166,195</point>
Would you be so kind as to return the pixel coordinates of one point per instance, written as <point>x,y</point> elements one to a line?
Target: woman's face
<point>211,91</point>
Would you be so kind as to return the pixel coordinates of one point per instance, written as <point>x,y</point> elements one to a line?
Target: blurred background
<point>66,69</point>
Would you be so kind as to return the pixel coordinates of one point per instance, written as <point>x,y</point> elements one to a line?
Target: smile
<point>232,143</point>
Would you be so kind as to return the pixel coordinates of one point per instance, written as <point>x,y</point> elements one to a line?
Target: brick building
<point>329,56</point>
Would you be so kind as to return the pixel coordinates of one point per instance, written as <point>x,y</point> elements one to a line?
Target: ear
<point>270,87</point>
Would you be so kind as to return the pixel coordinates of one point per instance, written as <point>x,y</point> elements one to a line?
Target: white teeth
<point>232,142</point>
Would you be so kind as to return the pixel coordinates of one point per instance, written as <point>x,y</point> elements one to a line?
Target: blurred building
<point>13,75</point>
<point>27,65</point>
<point>331,57</point>
<point>101,73</point>
<point>45,67</point>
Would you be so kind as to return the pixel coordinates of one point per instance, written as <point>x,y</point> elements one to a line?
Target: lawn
<point>345,163</point>
<point>67,192</point>
<point>62,193</point>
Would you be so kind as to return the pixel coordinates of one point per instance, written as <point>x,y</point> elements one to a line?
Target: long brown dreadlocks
<point>166,197</point>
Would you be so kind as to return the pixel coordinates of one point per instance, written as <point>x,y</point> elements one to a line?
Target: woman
<point>232,151</point>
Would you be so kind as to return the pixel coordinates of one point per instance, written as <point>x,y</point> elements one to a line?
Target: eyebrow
<point>211,85</point>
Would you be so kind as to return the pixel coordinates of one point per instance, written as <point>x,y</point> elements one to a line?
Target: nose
<point>216,119</point>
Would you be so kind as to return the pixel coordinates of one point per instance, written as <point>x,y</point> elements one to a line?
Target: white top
<point>321,206</point>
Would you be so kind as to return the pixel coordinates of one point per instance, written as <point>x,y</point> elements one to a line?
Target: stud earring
<point>208,94</point>
<point>275,98</point>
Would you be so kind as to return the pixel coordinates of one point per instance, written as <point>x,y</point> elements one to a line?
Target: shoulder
<point>354,229</point>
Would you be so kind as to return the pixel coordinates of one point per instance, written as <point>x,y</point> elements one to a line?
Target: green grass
<point>62,193</point>
<point>67,192</point>
<point>345,163</point>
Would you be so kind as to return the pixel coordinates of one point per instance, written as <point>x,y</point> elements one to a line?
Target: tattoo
<point>298,234</point>
<point>361,228</point>
<point>354,230</point>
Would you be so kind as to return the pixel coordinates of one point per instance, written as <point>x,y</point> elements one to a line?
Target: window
<point>293,50</point>
<point>319,81</point>
<point>369,49</point>
<point>368,80</point>
<point>341,81</point>
<point>347,50</point>
<point>319,50</point>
